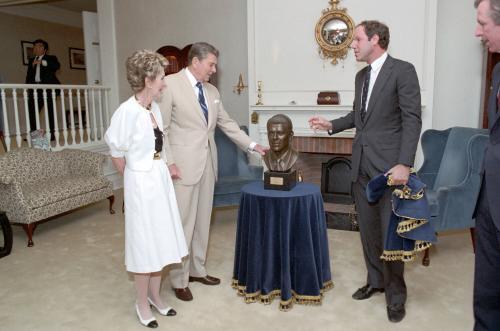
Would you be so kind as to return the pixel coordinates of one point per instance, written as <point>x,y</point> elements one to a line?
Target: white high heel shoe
<point>150,323</point>
<point>169,311</point>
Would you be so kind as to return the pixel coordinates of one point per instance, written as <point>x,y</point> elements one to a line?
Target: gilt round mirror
<point>334,33</point>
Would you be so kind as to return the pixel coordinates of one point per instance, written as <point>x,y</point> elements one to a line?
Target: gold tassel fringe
<point>405,256</point>
<point>285,305</point>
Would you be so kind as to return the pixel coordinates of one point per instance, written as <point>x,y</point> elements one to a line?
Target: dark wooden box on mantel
<point>328,98</point>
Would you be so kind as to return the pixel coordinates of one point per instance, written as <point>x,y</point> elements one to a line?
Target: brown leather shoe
<point>183,294</point>
<point>207,280</point>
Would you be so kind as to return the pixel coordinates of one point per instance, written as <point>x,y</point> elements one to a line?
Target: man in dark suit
<point>487,267</point>
<point>41,70</point>
<point>386,115</point>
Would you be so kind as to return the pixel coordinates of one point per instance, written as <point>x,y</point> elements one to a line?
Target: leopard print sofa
<point>36,185</point>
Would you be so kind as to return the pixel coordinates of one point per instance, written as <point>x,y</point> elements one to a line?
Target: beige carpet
<point>74,279</point>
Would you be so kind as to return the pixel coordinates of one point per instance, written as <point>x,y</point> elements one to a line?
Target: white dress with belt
<point>153,229</point>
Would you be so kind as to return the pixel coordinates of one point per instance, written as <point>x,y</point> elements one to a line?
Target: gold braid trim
<point>409,224</point>
<point>285,305</point>
<point>405,256</point>
<point>406,193</point>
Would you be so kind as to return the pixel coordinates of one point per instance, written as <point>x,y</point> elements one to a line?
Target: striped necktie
<point>364,95</point>
<point>201,100</point>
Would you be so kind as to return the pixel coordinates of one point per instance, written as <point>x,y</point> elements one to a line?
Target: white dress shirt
<point>376,66</point>
<point>37,69</point>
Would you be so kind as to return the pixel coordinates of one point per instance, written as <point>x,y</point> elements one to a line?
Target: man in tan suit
<point>191,109</point>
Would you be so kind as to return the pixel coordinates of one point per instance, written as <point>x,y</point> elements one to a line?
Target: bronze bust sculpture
<point>281,156</point>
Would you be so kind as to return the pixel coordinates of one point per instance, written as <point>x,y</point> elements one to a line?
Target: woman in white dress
<point>153,230</point>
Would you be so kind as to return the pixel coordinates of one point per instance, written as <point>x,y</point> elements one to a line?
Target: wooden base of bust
<point>281,181</point>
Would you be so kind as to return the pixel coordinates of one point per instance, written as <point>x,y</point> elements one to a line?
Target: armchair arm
<point>245,169</point>
<point>13,201</point>
<point>457,203</point>
<point>255,171</point>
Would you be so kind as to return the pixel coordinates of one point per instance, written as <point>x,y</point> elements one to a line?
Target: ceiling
<point>76,5</point>
<point>71,5</point>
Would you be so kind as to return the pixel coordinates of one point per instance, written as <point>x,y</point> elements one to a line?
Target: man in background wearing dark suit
<point>487,267</point>
<point>386,115</point>
<point>41,70</point>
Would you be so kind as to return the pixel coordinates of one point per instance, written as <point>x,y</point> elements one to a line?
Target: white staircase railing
<point>81,114</point>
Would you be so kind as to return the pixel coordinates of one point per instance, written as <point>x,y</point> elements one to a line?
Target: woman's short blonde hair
<point>144,64</point>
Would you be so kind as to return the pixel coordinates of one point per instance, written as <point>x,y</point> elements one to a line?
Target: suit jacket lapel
<point>493,113</point>
<point>192,96</point>
<point>383,76</point>
<point>210,101</point>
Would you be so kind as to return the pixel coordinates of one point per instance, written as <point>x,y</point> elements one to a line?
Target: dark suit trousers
<point>32,110</point>
<point>487,269</point>
<point>373,221</point>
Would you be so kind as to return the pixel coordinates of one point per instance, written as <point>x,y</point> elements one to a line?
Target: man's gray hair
<point>201,50</point>
<point>494,9</point>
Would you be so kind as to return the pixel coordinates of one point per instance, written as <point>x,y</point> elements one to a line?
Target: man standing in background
<point>42,70</point>
<point>487,234</point>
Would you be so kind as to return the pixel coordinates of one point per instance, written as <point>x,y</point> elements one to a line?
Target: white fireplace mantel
<point>299,114</point>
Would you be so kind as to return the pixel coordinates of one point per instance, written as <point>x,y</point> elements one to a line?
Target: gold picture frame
<point>334,32</point>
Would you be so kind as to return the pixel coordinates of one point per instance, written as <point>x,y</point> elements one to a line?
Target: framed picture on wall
<point>27,51</point>
<point>76,58</point>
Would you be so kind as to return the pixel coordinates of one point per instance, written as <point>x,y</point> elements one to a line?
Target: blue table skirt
<point>281,245</point>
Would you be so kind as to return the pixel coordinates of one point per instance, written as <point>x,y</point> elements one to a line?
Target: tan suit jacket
<point>188,136</point>
<point>189,143</point>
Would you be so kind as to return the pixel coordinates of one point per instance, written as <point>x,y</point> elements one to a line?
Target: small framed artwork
<point>27,51</point>
<point>76,58</point>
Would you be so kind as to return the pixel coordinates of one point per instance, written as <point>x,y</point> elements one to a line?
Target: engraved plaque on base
<point>282,181</point>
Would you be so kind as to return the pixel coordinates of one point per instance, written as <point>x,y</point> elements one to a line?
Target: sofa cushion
<point>49,191</point>
<point>231,184</point>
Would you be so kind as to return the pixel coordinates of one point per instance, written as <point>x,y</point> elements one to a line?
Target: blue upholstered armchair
<point>451,171</point>
<point>234,171</point>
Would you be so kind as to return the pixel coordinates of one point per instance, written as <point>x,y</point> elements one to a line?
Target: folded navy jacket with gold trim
<point>409,228</point>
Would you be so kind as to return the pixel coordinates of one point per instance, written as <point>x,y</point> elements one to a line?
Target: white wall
<point>155,23</point>
<point>459,67</point>
<point>436,36</point>
<point>286,52</point>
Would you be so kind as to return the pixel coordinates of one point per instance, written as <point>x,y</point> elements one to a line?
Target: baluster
<point>94,122</point>
<point>80,122</point>
<point>87,121</point>
<point>65,125</point>
<point>46,114</point>
<point>27,116</point>
<point>54,113</point>
<point>101,127</point>
<point>5,122</point>
<point>106,109</point>
<point>16,118</point>
<point>71,117</point>
<point>37,116</point>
